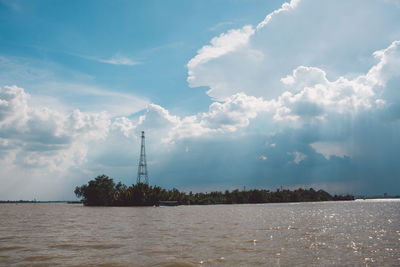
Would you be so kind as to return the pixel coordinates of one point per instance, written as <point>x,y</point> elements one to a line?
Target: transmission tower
<point>142,176</point>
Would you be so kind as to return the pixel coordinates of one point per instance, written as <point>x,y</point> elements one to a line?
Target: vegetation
<point>102,191</point>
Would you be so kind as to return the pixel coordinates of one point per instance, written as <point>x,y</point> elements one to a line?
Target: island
<point>103,191</point>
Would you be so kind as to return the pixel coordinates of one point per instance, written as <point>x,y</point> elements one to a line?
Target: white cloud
<point>222,117</point>
<point>329,149</point>
<point>285,7</point>
<point>310,97</point>
<point>157,118</point>
<point>263,157</point>
<point>89,125</point>
<point>227,43</point>
<point>388,66</point>
<point>42,137</point>
<point>165,127</point>
<point>123,125</point>
<point>311,94</point>
<point>220,25</point>
<point>13,105</point>
<point>119,60</point>
<point>303,77</point>
<point>221,45</point>
<point>235,112</point>
<point>295,36</point>
<point>298,156</point>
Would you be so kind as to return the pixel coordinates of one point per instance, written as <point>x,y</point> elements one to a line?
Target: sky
<point>230,94</point>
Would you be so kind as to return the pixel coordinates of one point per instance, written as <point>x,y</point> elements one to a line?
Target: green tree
<point>98,192</point>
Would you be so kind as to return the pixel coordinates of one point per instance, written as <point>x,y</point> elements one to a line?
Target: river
<point>356,233</point>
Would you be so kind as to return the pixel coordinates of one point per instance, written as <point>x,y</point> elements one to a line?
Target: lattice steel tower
<point>142,175</point>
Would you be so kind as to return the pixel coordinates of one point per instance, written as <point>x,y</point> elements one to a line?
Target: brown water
<point>359,233</point>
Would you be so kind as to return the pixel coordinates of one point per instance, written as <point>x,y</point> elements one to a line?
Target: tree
<point>98,192</point>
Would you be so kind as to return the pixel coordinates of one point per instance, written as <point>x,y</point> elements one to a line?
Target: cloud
<point>13,105</point>
<point>388,66</point>
<point>311,94</point>
<point>310,98</point>
<point>285,7</point>
<point>263,157</point>
<point>315,86</point>
<point>220,25</point>
<point>235,112</point>
<point>328,149</point>
<point>255,61</point>
<point>225,43</point>
<point>124,125</point>
<point>118,60</point>
<point>221,118</point>
<point>221,45</point>
<point>41,137</point>
<point>298,156</point>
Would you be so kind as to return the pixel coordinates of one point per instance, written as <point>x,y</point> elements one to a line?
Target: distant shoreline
<point>40,201</point>
<point>80,202</point>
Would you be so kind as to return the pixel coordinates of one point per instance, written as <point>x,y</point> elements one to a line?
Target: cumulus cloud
<point>124,125</point>
<point>44,137</point>
<point>221,118</point>
<point>312,94</point>
<point>13,105</point>
<point>232,41</point>
<point>311,68</point>
<point>221,45</point>
<point>309,96</point>
<point>388,66</point>
<point>235,112</point>
<point>295,36</point>
<point>285,7</point>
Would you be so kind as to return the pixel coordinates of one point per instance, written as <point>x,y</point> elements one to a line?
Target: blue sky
<point>230,93</point>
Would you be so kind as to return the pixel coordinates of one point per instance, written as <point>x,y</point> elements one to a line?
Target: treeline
<point>102,191</point>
